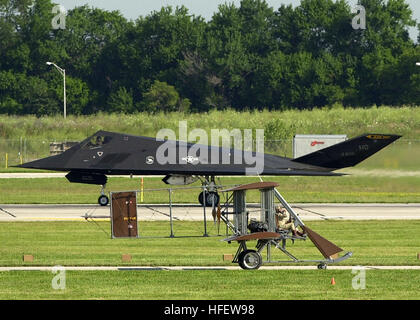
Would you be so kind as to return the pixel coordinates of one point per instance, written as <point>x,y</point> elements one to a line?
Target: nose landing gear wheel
<point>250,260</point>
<point>103,200</point>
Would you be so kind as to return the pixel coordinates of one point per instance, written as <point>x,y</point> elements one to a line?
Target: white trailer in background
<point>304,144</point>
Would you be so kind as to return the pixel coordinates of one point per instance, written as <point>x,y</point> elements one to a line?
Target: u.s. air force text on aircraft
<point>211,309</point>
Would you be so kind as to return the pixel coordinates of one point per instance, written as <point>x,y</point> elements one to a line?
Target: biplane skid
<point>253,259</point>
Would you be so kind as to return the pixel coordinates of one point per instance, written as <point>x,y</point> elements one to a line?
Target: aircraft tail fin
<point>348,153</point>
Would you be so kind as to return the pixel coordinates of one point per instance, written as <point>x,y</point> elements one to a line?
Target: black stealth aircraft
<point>108,153</point>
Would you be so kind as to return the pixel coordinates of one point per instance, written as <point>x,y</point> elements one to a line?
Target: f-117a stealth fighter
<point>109,153</point>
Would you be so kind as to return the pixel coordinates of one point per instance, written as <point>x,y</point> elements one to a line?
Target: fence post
<point>7,159</point>
<point>142,190</point>
<point>170,214</point>
<point>204,212</point>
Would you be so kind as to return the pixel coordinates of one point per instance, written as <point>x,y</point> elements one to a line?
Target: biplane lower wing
<point>255,236</point>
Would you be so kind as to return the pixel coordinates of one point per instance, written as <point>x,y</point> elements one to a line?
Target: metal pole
<point>63,73</point>
<point>170,214</point>
<point>298,221</point>
<point>65,98</point>
<point>142,190</point>
<point>204,209</point>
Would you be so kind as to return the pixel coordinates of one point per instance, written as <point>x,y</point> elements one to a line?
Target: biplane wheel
<point>322,266</point>
<point>250,260</point>
<point>210,198</point>
<point>103,200</point>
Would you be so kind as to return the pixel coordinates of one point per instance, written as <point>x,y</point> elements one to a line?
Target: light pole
<point>63,73</point>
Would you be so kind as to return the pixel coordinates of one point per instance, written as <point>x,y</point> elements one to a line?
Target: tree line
<point>246,57</point>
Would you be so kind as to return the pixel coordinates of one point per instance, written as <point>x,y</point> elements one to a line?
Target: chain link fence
<point>17,151</point>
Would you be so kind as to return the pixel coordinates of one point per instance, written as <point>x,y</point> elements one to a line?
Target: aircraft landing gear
<point>322,266</point>
<point>103,199</point>
<point>250,260</point>
<point>211,198</point>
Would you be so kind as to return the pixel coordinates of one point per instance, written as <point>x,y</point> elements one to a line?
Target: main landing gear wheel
<point>103,200</point>
<point>322,266</point>
<point>211,197</point>
<point>250,260</point>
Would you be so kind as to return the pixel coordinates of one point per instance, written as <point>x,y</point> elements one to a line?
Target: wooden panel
<point>256,236</point>
<point>124,215</point>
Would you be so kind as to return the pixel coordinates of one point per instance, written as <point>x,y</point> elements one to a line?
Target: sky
<point>132,9</point>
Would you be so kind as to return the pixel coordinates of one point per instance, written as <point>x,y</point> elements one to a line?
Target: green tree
<point>165,98</point>
<point>238,41</point>
<point>88,31</point>
<point>39,98</point>
<point>386,38</point>
<point>121,101</point>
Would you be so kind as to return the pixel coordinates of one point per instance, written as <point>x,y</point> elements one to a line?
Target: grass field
<point>212,285</point>
<point>346,189</point>
<point>278,125</point>
<point>30,136</point>
<point>83,244</point>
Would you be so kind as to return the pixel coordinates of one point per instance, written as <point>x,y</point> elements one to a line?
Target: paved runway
<point>308,212</point>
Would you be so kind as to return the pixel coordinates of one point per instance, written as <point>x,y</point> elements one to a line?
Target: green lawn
<point>85,244</point>
<point>211,285</point>
<point>346,189</point>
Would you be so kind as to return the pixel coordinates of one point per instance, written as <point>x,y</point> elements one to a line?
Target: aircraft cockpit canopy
<point>97,141</point>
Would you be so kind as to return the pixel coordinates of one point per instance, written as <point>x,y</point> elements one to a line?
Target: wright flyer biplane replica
<point>266,231</point>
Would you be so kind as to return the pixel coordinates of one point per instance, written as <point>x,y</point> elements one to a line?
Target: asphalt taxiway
<point>190,212</point>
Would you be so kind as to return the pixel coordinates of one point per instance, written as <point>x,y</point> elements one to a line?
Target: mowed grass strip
<point>346,189</point>
<point>88,244</point>
<point>212,284</point>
